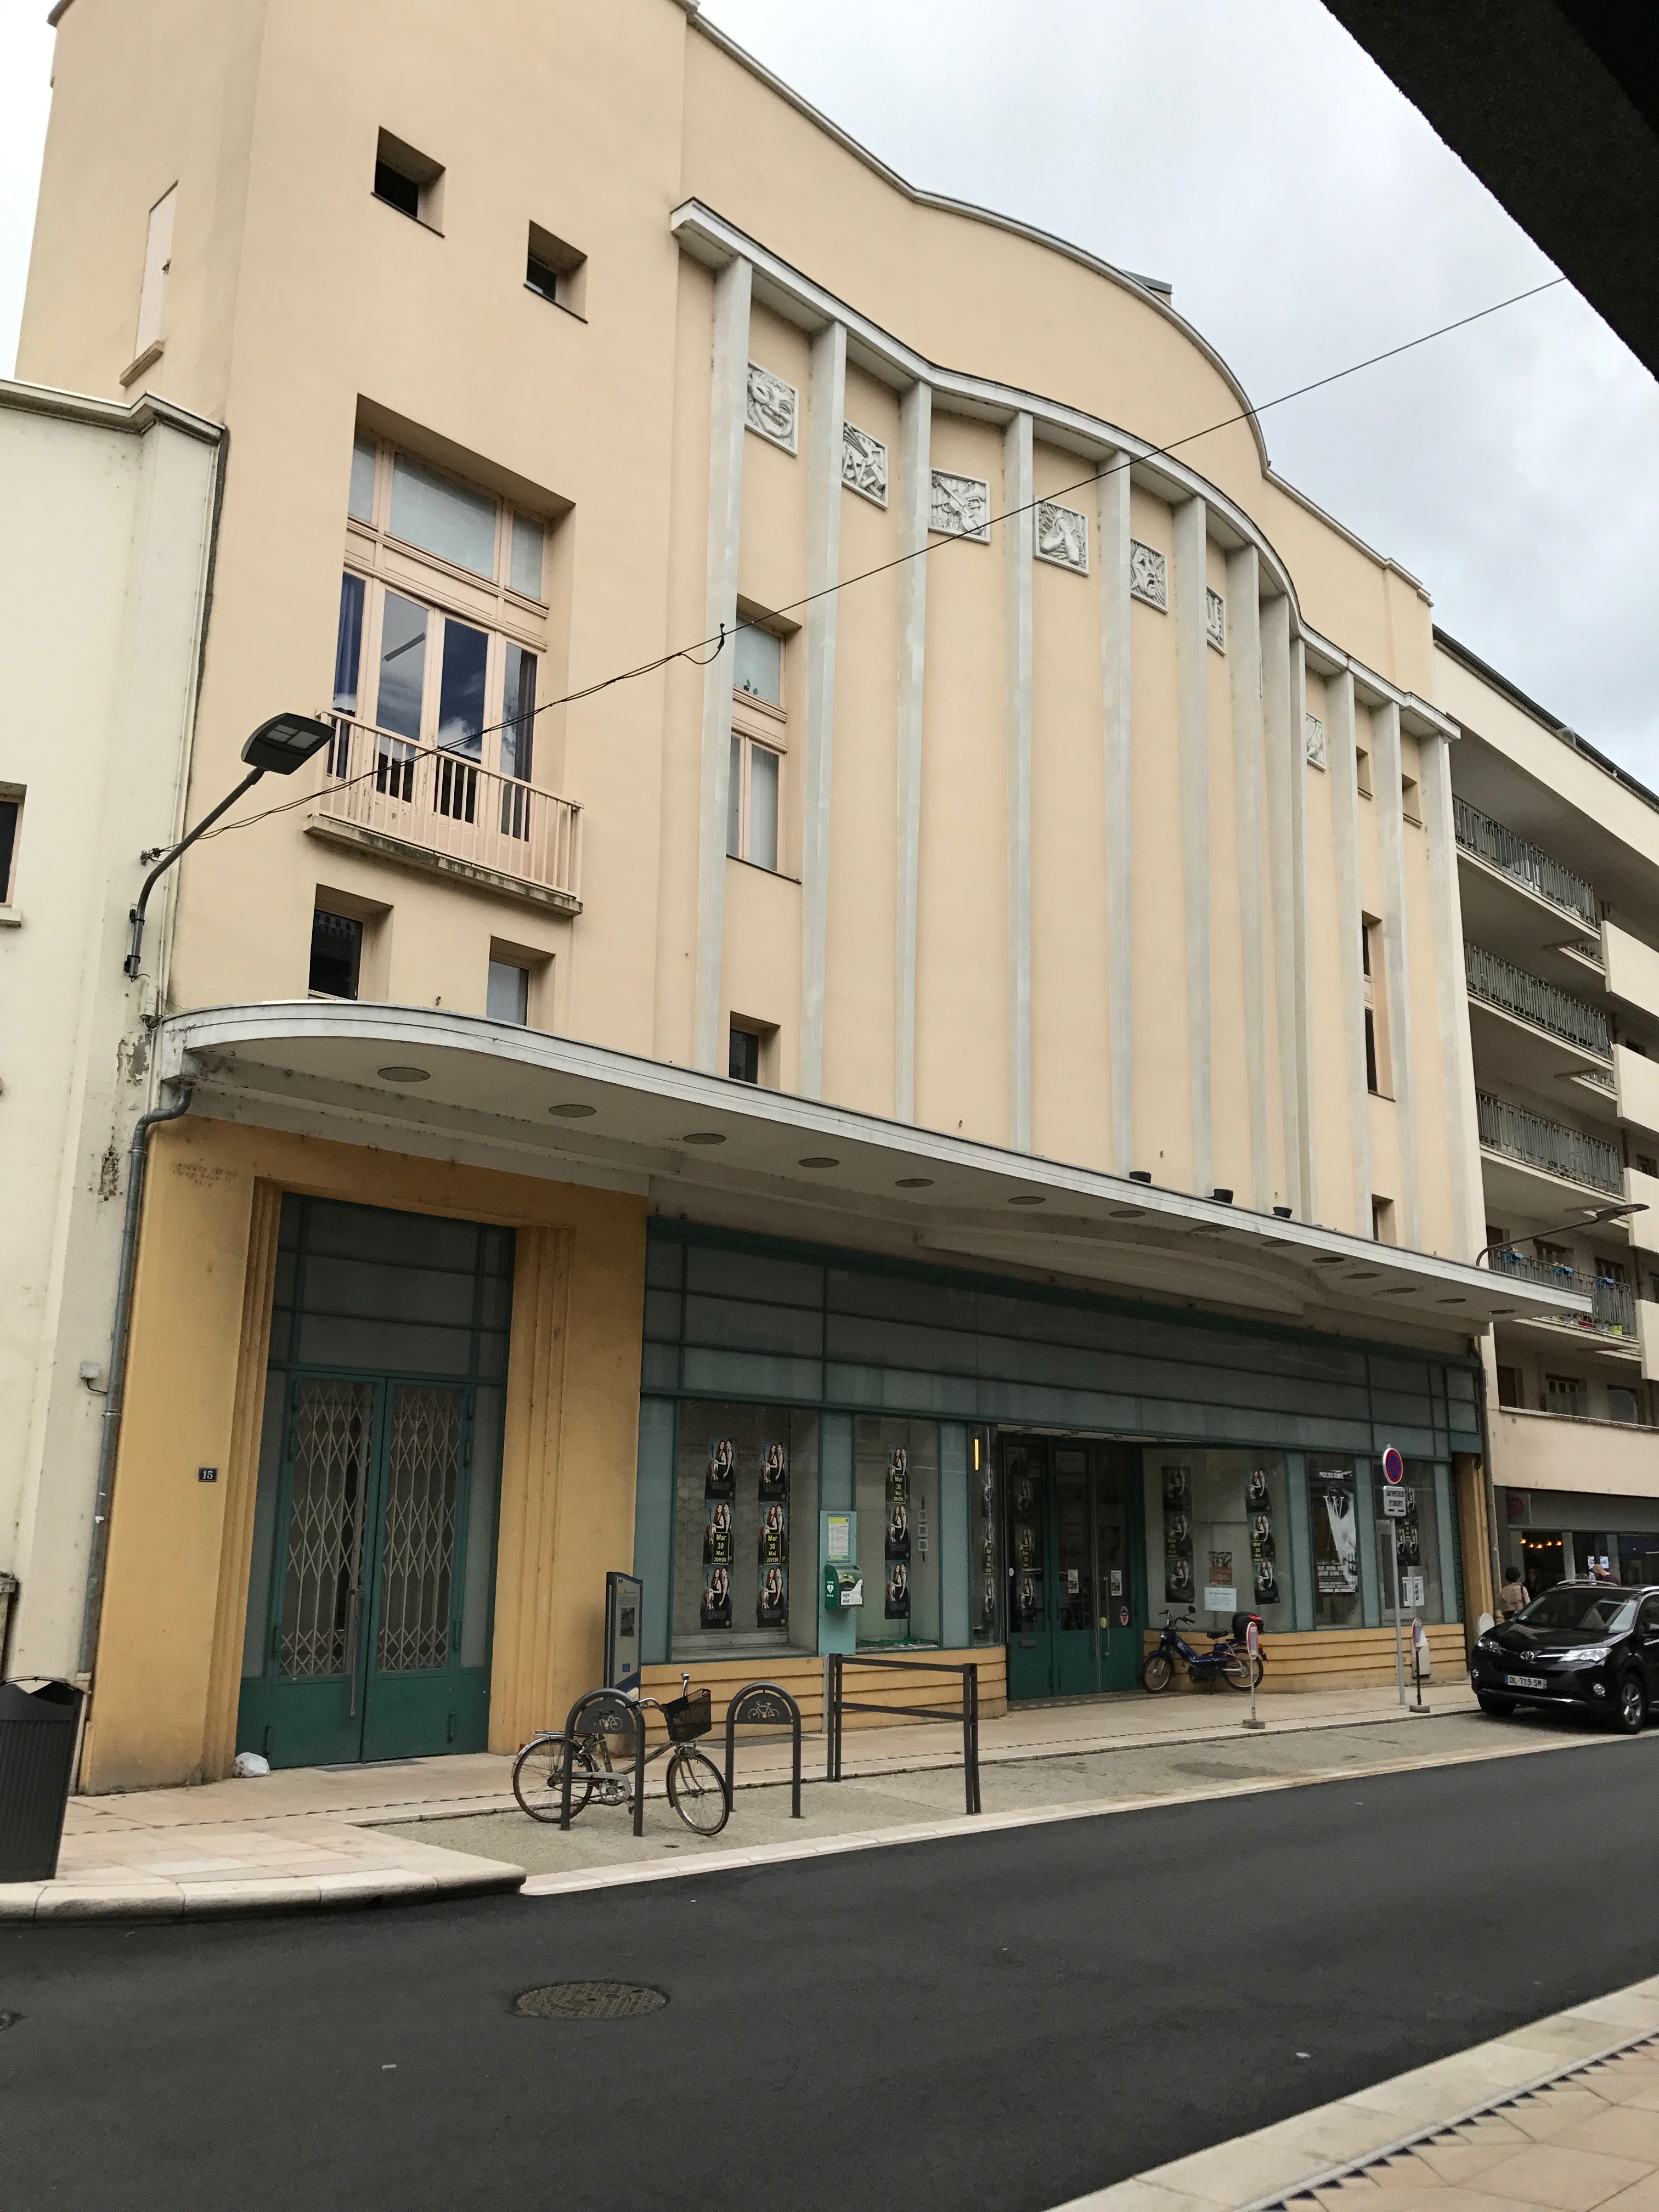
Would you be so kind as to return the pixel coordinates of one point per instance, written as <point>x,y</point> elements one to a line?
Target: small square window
<point>1509,1389</point>
<point>508,998</point>
<point>556,271</point>
<point>1383,1220</point>
<point>757,665</point>
<point>410,181</point>
<point>337,954</point>
<point>1646,1165</point>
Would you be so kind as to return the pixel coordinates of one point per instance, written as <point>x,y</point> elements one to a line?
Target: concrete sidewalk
<point>1561,2115</point>
<point>314,1837</point>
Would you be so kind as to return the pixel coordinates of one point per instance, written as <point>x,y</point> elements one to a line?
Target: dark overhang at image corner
<point>1554,105</point>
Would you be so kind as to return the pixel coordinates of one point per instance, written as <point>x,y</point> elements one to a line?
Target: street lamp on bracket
<point>278,747</point>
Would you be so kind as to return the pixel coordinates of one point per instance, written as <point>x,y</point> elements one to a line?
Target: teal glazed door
<point>1074,1607</point>
<point>369,1567</point>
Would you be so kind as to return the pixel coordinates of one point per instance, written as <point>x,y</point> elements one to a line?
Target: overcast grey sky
<point>1246,151</point>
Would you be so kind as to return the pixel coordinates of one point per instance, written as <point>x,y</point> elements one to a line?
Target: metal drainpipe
<point>138,1158</point>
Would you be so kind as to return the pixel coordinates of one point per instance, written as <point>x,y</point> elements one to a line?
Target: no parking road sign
<point>1394,1467</point>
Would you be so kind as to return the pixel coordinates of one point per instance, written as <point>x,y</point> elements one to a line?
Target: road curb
<point>56,1903</point>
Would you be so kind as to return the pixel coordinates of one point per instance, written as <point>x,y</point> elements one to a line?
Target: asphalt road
<point>1004,2022</point>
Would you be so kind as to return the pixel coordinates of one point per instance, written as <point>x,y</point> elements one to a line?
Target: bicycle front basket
<point>688,1717</point>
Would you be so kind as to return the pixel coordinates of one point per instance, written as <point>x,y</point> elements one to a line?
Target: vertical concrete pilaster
<point>1016,538</point>
<point>1391,838</point>
<point>827,397</point>
<point>1341,766</point>
<point>914,496</point>
<point>1244,671</point>
<point>1193,720</point>
<point>1113,564</point>
<point>726,435</point>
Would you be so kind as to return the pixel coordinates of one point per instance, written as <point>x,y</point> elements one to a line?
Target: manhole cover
<point>589,2000</point>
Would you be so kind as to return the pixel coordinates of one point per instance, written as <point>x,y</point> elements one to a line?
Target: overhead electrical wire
<point>689,652</point>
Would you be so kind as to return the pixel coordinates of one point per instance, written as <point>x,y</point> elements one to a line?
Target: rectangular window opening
<point>11,815</point>
<point>408,180</point>
<point>1383,1220</point>
<point>509,997</point>
<point>556,271</point>
<point>1511,1391</point>
<point>337,954</point>
<point>158,265</point>
<point>1362,762</point>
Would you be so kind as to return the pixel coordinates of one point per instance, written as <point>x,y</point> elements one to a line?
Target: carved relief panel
<point>1215,619</point>
<point>1149,575</point>
<point>1061,536</point>
<point>772,408</point>
<point>864,464</point>
<point>960,506</point>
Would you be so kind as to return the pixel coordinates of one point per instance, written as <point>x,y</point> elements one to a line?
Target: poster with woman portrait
<point>775,1472</point>
<point>898,1591</point>
<point>1264,1550</point>
<point>772,1599</point>
<point>897,1546</point>
<point>717,1539</point>
<point>721,1479</point>
<point>717,1598</point>
<point>1177,1534</point>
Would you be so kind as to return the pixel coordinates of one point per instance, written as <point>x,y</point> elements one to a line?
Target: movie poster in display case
<point>1178,1535</point>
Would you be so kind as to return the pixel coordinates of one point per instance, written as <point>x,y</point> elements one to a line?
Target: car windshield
<point>1588,1612</point>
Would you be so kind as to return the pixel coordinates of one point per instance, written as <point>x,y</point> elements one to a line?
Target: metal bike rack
<point>840,1704</point>
<point>764,1705</point>
<point>612,1708</point>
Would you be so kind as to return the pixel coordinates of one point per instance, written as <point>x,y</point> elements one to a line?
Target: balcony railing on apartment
<point>1499,983</point>
<point>449,812</point>
<point>1490,841</point>
<point>1520,1134</point>
<point>1612,1305</point>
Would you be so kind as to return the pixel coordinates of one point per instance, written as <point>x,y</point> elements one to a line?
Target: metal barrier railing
<point>1490,841</point>
<point>1612,1305</point>
<point>1521,1135</point>
<point>1502,984</point>
<point>839,1703</point>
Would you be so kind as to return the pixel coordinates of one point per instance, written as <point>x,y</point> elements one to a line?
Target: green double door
<point>369,1576</point>
<point>1073,1612</point>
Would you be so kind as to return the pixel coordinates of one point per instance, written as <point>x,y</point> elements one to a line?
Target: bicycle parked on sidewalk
<point>1226,1661</point>
<point>697,1788</point>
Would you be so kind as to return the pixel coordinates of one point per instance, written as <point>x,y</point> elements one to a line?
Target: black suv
<point>1587,1644</point>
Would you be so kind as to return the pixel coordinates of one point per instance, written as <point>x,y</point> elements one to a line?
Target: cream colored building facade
<point>104,569</point>
<point>1558,862</point>
<point>836,933</point>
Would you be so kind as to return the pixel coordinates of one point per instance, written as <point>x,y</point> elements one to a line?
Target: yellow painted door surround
<point>170,1652</point>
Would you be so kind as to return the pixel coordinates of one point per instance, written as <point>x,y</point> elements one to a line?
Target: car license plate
<point>1525,1682</point>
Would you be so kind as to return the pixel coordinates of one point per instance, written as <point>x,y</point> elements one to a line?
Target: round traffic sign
<point>1394,1467</point>
<point>1123,1617</point>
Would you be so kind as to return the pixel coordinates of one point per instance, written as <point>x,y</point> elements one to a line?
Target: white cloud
<point>1307,216</point>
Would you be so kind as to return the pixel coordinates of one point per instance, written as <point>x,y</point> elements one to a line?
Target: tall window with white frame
<point>442,625</point>
<point>11,816</point>
<point>760,730</point>
<point>1377,1015</point>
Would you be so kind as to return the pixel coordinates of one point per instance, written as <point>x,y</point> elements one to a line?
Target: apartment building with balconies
<point>873,960</point>
<point>1558,859</point>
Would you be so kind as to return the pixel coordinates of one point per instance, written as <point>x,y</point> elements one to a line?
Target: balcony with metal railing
<point>1497,982</point>
<point>1524,864</point>
<point>1612,1305</point>
<point>439,810</point>
<point>1518,1134</point>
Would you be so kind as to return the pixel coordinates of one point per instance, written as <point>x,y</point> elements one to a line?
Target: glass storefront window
<point>745,1491</point>
<point>1334,1528</point>
<point>1422,1582</point>
<point>1224,1535</point>
<point>897,1494</point>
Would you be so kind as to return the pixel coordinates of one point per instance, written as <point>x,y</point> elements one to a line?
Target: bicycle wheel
<point>1240,1668</point>
<point>538,1778</point>
<point>1158,1672</point>
<point>696,1791</point>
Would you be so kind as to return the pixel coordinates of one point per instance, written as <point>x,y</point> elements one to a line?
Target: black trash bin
<point>38,1731</point>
